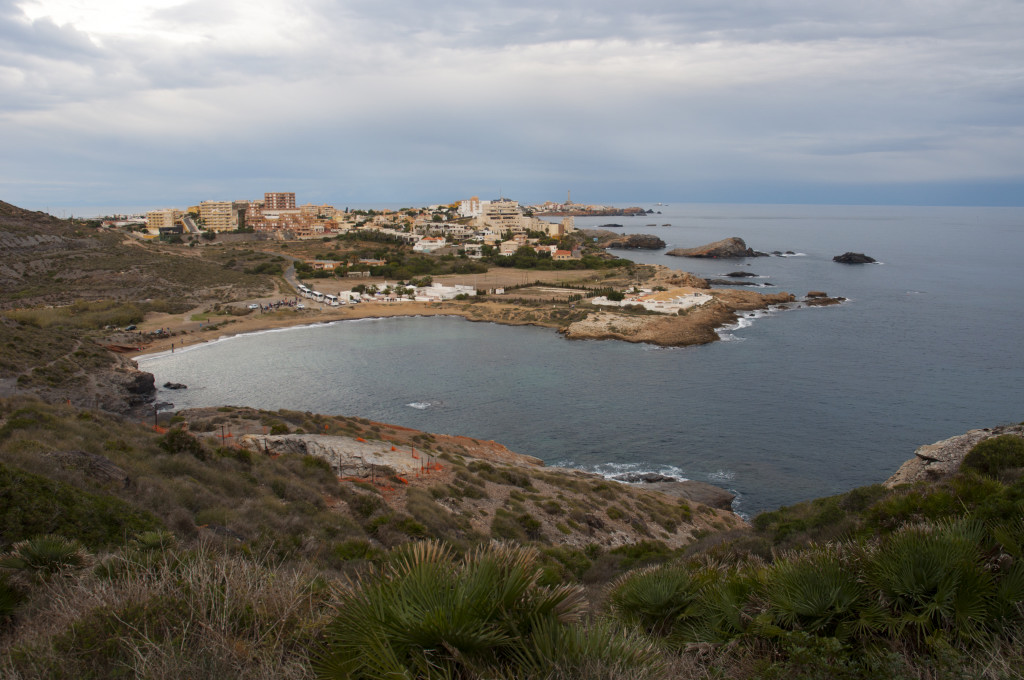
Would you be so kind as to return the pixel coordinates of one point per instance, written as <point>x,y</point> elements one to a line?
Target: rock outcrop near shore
<point>732,247</point>
<point>942,459</point>
<point>691,490</point>
<point>852,258</point>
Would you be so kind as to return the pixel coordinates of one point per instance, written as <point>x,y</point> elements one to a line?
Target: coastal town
<point>471,229</point>
<point>472,224</point>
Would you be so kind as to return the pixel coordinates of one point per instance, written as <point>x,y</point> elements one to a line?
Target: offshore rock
<point>698,492</point>
<point>732,247</point>
<point>852,258</point>
<point>731,282</point>
<point>643,478</point>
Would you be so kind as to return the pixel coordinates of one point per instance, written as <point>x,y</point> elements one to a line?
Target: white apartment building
<point>470,208</point>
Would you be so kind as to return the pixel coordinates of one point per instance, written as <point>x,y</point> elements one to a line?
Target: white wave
<point>423,405</point>
<point>610,470</point>
<point>746,320</point>
<point>721,475</point>
<point>793,255</point>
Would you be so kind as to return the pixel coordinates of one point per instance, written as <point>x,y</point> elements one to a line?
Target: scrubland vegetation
<point>128,553</point>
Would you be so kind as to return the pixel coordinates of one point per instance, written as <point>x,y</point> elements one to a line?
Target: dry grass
<point>191,614</point>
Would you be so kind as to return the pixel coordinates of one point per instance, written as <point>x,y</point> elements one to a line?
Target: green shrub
<point>364,505</point>
<point>656,599</point>
<point>32,505</point>
<point>177,440</point>
<point>427,614</point>
<point>42,557</point>
<point>355,549</point>
<point>819,592</point>
<point>993,456</point>
<point>932,580</point>
<point>530,526</point>
<point>505,527</point>
<point>642,552</point>
<point>615,512</point>
<point>10,597</point>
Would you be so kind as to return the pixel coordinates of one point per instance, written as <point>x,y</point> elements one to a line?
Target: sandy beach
<point>182,331</point>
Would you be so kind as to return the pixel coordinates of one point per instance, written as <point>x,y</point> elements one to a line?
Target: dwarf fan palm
<point>39,558</point>
<point>818,592</point>
<point>427,614</point>
<point>932,579</point>
<point>657,598</point>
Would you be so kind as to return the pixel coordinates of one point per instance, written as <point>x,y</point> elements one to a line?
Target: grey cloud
<point>498,23</point>
<point>42,38</point>
<point>381,99</point>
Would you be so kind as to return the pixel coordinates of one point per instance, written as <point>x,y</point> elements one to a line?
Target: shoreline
<point>694,328</point>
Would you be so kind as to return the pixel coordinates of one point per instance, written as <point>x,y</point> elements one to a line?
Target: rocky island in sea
<point>727,248</point>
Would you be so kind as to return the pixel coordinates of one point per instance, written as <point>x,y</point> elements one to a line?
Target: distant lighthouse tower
<point>568,200</point>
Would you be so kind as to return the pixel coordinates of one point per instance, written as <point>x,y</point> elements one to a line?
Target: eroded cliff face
<point>933,462</point>
<point>63,366</point>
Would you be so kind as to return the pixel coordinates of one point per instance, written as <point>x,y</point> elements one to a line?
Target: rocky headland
<point>696,327</point>
<point>941,460</point>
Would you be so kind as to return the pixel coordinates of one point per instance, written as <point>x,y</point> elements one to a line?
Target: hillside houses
<point>467,225</point>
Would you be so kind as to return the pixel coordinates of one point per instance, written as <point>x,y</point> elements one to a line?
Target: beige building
<point>216,216</point>
<point>157,219</point>
<point>279,200</point>
<point>506,216</point>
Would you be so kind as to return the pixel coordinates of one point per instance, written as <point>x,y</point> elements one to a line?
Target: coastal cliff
<point>941,460</point>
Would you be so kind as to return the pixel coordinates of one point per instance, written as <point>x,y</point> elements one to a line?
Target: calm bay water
<point>794,404</point>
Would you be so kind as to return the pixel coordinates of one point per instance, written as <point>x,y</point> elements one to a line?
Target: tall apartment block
<point>162,219</point>
<point>279,201</point>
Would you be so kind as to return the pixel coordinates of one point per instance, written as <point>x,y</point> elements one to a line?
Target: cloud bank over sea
<point>161,102</point>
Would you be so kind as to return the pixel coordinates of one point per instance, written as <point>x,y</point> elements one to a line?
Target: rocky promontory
<point>942,459</point>
<point>695,327</point>
<point>732,247</point>
<point>637,242</point>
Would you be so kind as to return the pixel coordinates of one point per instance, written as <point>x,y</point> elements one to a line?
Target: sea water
<point>793,404</point>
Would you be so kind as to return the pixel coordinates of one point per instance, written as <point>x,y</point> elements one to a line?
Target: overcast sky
<point>167,103</point>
